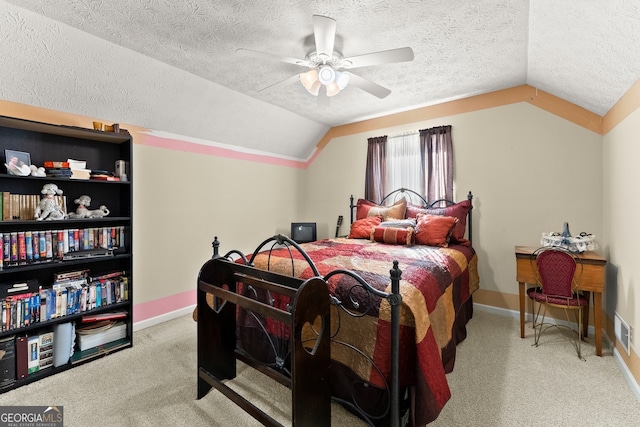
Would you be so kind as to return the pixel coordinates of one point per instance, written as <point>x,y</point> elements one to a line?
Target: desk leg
<point>522,301</point>
<point>585,315</point>
<point>597,320</point>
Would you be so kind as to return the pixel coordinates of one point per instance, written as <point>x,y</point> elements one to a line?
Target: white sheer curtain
<point>403,165</point>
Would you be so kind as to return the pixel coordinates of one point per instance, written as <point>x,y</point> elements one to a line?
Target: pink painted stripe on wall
<point>158,307</point>
<point>191,147</point>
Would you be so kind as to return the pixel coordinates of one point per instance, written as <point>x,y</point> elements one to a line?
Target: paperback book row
<point>27,247</point>
<point>23,206</point>
<point>66,296</point>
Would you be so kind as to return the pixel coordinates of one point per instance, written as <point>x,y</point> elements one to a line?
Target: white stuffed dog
<point>82,211</point>
<point>48,208</point>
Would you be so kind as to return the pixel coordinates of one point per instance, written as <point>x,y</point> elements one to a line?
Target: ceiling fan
<point>328,71</point>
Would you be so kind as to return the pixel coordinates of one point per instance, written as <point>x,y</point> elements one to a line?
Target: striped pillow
<point>392,235</point>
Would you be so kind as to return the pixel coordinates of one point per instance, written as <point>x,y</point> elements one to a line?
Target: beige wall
<point>529,170</point>
<point>184,199</point>
<point>621,203</point>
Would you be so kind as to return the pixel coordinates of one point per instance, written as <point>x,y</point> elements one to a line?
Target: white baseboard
<point>627,373</point>
<point>163,318</point>
<point>606,342</point>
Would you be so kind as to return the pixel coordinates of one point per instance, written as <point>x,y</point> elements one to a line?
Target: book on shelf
<point>102,177</point>
<point>97,317</point>
<point>54,164</point>
<point>6,203</point>
<point>100,333</point>
<point>58,172</point>
<point>80,174</point>
<point>19,305</point>
<point>77,164</point>
<point>96,327</point>
<point>33,363</point>
<point>22,357</point>
<point>74,274</point>
<point>92,352</point>
<point>61,298</point>
<point>102,276</point>
<point>22,207</point>
<point>7,361</point>
<point>37,246</point>
<point>45,350</point>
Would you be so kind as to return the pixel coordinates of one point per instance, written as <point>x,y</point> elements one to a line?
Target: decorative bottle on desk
<point>566,234</point>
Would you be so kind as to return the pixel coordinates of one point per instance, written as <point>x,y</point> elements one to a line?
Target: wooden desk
<point>592,280</point>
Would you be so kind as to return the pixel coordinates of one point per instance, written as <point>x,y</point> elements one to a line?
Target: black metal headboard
<point>417,199</point>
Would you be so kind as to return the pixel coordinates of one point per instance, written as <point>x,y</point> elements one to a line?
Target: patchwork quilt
<point>436,284</point>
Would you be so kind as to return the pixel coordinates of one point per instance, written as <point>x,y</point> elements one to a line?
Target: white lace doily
<point>584,242</point>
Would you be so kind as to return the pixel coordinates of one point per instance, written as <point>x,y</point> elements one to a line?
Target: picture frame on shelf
<point>17,162</point>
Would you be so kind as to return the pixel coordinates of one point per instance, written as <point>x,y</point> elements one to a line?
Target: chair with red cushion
<point>558,274</point>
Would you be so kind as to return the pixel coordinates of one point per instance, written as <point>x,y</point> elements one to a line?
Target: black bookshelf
<point>100,150</point>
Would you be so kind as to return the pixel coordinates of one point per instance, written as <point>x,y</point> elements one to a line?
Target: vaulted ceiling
<point>586,52</point>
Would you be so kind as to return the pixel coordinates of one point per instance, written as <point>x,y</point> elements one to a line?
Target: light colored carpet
<point>499,380</point>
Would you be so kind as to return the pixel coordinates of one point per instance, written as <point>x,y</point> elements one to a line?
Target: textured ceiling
<point>587,52</point>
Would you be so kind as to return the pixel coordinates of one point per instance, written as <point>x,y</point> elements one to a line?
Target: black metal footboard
<point>309,382</point>
<point>298,355</point>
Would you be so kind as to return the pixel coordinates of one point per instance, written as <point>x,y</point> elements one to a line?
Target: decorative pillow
<point>361,228</point>
<point>435,230</point>
<point>459,210</point>
<point>365,208</point>
<point>393,236</point>
<point>399,223</point>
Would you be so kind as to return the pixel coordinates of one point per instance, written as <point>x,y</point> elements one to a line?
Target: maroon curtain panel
<point>436,147</point>
<point>376,170</point>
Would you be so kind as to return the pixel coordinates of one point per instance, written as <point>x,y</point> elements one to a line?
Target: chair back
<point>556,269</point>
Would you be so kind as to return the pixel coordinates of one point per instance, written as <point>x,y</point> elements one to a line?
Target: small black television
<point>302,232</point>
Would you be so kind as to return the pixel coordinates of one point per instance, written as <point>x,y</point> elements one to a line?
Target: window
<point>421,161</point>
<point>403,166</point>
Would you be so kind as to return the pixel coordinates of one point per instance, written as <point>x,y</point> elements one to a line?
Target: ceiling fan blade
<point>324,31</point>
<point>286,81</point>
<point>272,57</point>
<point>368,86</point>
<point>383,57</point>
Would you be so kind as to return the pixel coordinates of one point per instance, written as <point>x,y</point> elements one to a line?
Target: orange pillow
<point>365,208</point>
<point>392,235</point>
<point>459,210</point>
<point>434,230</point>
<point>361,228</point>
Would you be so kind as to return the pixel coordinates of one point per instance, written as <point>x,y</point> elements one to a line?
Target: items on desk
<point>577,244</point>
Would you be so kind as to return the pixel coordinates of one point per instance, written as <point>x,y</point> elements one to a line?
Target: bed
<point>392,311</point>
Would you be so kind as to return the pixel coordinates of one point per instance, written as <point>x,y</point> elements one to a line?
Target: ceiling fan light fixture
<point>342,79</point>
<point>333,89</point>
<point>315,88</point>
<point>309,78</point>
<point>340,82</point>
<point>326,74</point>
